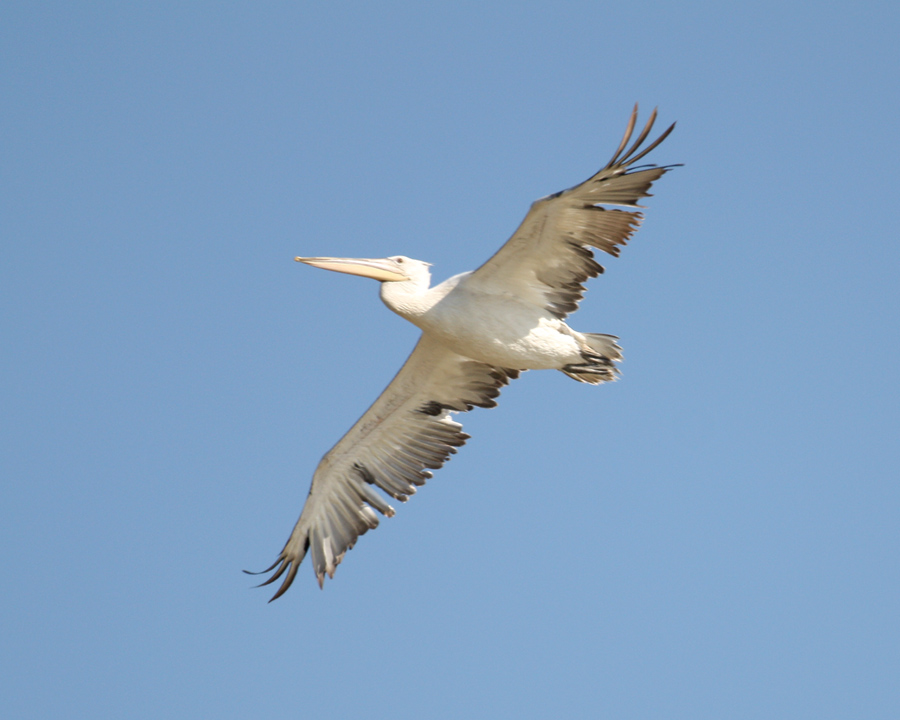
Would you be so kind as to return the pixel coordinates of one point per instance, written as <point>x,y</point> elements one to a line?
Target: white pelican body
<point>498,329</point>
<point>479,331</point>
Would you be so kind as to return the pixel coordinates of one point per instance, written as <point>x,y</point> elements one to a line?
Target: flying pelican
<point>479,331</point>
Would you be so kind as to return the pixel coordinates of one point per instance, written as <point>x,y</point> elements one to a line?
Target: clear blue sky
<point>717,535</point>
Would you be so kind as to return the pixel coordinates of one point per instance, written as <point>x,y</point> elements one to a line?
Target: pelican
<point>480,330</point>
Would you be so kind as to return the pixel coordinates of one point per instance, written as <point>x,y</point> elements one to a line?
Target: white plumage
<point>479,330</point>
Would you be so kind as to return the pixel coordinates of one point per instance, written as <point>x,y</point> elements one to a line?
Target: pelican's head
<point>393,269</point>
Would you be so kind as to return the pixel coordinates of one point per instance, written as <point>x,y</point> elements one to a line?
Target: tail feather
<point>599,354</point>
<point>604,345</point>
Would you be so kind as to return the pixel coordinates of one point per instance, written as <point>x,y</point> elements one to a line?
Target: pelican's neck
<point>409,298</point>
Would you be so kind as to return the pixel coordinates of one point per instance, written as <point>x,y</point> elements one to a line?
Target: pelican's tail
<point>599,354</point>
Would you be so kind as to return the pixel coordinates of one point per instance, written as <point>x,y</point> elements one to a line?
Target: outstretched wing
<point>407,432</point>
<point>548,258</point>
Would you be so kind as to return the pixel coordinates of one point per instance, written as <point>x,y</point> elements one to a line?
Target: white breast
<point>500,330</point>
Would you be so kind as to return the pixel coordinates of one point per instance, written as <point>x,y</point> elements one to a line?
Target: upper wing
<point>547,259</point>
<point>407,430</point>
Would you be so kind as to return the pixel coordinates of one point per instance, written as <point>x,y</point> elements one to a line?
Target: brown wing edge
<point>441,439</point>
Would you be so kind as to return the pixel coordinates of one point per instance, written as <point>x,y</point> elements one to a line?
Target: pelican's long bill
<point>385,270</point>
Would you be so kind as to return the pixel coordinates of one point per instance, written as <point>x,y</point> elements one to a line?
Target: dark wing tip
<point>652,145</point>
<point>624,159</point>
<point>268,569</point>
<point>644,133</point>
<point>288,580</point>
<point>279,566</point>
<point>628,130</point>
